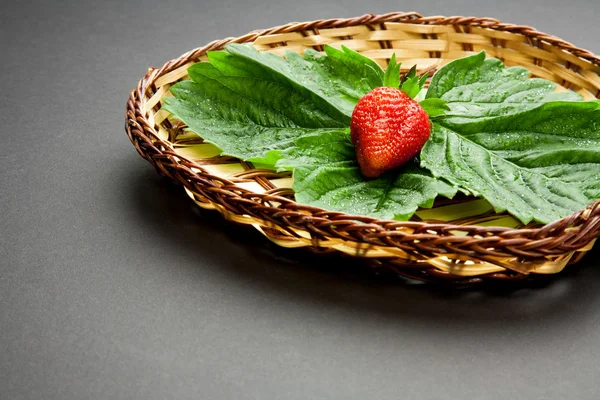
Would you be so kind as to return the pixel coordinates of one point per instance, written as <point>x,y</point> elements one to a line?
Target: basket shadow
<point>333,281</point>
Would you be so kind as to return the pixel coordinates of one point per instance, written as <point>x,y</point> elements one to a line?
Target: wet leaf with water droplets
<point>541,164</point>
<point>475,88</point>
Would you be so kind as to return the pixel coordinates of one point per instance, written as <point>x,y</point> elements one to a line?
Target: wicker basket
<point>469,250</point>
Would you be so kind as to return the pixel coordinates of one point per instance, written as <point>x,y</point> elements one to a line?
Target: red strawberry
<point>388,129</point>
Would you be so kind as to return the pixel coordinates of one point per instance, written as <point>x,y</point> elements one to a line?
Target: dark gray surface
<point>113,286</point>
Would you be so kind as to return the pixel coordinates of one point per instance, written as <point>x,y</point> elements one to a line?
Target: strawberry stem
<point>412,84</point>
<point>434,107</point>
<point>391,78</point>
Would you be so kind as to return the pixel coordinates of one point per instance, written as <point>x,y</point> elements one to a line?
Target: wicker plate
<point>471,249</point>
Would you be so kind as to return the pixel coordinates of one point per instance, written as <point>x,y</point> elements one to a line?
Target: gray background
<point>113,286</point>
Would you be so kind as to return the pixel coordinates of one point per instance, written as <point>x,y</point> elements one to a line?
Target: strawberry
<point>388,128</point>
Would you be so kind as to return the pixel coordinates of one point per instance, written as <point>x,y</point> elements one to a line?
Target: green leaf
<point>327,175</point>
<point>335,81</point>
<point>541,164</point>
<point>249,103</point>
<point>361,66</point>
<point>434,107</point>
<point>364,66</point>
<point>476,88</point>
<point>233,113</point>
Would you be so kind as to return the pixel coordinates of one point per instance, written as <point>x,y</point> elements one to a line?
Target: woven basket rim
<point>151,147</point>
